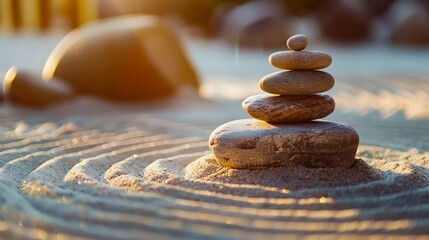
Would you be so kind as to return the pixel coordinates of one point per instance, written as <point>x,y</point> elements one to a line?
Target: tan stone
<point>122,58</point>
<point>297,42</point>
<point>300,60</point>
<point>297,82</point>
<point>253,144</point>
<point>282,109</point>
<point>31,90</point>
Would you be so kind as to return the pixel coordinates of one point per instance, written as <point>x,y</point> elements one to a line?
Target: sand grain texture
<point>92,170</point>
<point>134,174</point>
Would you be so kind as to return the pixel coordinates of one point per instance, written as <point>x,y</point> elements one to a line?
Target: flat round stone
<point>297,82</point>
<point>297,42</point>
<point>253,144</point>
<point>283,109</point>
<point>300,60</point>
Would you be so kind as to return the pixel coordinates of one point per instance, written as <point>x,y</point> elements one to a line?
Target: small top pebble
<point>297,42</point>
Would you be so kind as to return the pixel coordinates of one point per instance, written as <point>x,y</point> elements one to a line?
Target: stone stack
<point>284,132</point>
<point>296,98</point>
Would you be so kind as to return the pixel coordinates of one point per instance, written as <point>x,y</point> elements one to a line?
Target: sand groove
<point>139,176</point>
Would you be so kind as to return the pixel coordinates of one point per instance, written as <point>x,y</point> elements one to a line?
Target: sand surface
<point>92,169</point>
<point>145,172</point>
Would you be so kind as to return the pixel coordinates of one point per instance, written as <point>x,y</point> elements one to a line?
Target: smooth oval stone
<point>297,82</point>
<point>297,42</point>
<point>133,58</point>
<point>31,90</point>
<point>253,144</point>
<point>283,109</point>
<point>300,60</point>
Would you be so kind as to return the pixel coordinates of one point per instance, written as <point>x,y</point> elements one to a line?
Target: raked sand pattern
<point>134,175</point>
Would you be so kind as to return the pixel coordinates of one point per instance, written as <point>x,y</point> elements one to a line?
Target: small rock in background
<point>377,8</point>
<point>414,31</point>
<point>346,21</point>
<point>409,21</point>
<point>218,17</point>
<point>122,58</point>
<point>256,23</point>
<point>30,89</point>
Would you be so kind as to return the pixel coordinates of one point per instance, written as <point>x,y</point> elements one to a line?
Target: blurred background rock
<point>249,23</point>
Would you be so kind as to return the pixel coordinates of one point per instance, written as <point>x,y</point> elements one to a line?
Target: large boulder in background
<point>123,58</point>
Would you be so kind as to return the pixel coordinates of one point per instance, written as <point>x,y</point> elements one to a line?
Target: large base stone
<point>253,144</point>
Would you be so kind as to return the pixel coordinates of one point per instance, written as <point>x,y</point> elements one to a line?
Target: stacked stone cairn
<point>285,131</point>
